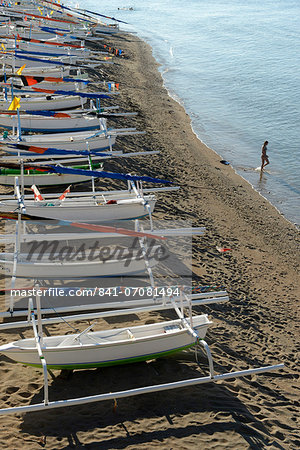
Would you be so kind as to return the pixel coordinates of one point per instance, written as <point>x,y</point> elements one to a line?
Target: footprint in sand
<point>11,390</point>
<point>33,386</point>
<point>24,394</point>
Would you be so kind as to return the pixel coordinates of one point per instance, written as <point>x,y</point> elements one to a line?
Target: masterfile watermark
<point>125,291</point>
<point>53,292</point>
<point>53,250</point>
<point>74,264</point>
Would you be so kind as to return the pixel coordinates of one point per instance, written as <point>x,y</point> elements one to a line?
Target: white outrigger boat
<point>56,82</point>
<point>67,255</point>
<point>38,103</point>
<point>95,135</point>
<point>22,81</point>
<point>33,31</point>
<point>35,62</point>
<point>117,346</point>
<point>130,262</point>
<point>32,177</point>
<point>110,347</point>
<point>33,172</point>
<point>94,207</point>
<point>60,123</point>
<point>75,140</point>
<point>42,99</point>
<point>54,71</point>
<point>50,49</point>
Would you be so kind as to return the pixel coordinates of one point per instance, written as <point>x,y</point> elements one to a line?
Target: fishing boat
<point>18,59</point>
<point>121,261</point>
<point>66,84</point>
<point>20,81</point>
<point>75,140</point>
<point>81,52</point>
<point>34,31</point>
<point>58,123</point>
<point>110,347</point>
<point>38,103</point>
<point>115,347</point>
<point>55,71</point>
<point>38,177</point>
<point>51,41</point>
<point>39,99</point>
<point>66,254</point>
<point>94,207</point>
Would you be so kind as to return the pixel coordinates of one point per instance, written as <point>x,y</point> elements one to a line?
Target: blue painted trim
<point>64,130</point>
<point>22,153</point>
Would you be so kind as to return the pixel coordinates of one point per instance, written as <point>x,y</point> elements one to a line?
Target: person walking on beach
<point>264,157</point>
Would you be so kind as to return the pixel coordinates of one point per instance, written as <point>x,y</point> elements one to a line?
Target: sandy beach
<point>259,326</point>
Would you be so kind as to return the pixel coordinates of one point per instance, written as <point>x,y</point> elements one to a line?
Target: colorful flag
<point>19,71</point>
<point>29,81</point>
<point>64,194</point>
<point>37,194</point>
<point>15,104</point>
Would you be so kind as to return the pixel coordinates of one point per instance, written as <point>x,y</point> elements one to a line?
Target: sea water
<point>234,66</point>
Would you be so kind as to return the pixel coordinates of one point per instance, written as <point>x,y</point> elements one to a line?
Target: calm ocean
<point>234,66</point>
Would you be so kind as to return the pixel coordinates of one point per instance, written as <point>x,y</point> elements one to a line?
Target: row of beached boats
<point>55,132</point>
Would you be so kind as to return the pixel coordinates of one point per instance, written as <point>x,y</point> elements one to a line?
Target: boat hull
<point>52,49</point>
<point>47,269</point>
<point>49,103</point>
<point>108,348</point>
<point>75,212</point>
<point>18,61</point>
<point>75,141</point>
<point>51,125</point>
<point>51,179</point>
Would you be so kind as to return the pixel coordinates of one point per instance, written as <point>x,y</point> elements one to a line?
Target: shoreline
<point>176,98</point>
<point>257,327</point>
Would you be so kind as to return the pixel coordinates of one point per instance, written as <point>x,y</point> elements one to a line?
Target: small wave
<point>165,70</point>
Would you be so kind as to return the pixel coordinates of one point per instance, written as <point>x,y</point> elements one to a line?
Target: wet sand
<point>257,327</point>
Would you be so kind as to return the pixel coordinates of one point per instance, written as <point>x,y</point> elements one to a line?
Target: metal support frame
<point>94,315</point>
<point>47,405</point>
<point>39,342</point>
<point>87,194</point>
<point>15,262</point>
<point>144,252</point>
<point>209,357</point>
<point>120,308</point>
<point>184,301</point>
